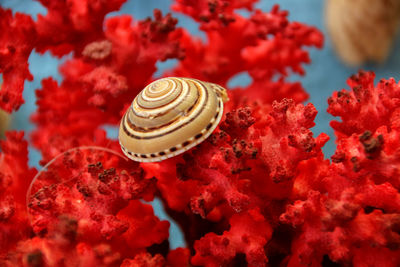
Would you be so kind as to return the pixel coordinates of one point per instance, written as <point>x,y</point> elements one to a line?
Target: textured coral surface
<point>257,192</point>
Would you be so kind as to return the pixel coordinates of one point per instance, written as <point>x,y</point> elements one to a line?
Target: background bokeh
<point>324,75</point>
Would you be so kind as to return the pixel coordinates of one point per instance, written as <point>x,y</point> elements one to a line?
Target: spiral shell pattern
<point>170,116</point>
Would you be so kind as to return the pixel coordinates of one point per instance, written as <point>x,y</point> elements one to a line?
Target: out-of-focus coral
<point>71,25</point>
<point>177,257</point>
<point>15,177</point>
<point>17,40</point>
<point>61,247</point>
<point>258,191</point>
<point>361,30</point>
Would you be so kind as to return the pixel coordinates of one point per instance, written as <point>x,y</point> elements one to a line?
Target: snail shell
<point>169,116</point>
<point>362,31</point>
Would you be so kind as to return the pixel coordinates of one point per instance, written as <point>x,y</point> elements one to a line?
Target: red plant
<point>258,190</point>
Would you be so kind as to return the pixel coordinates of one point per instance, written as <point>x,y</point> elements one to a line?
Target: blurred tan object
<point>362,30</point>
<point>4,120</point>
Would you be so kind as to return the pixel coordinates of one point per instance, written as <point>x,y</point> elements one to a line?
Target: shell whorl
<point>170,116</point>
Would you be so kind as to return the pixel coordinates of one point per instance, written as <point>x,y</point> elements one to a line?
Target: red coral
<point>176,258</point>
<point>147,230</point>
<point>58,249</point>
<point>66,121</point>
<point>369,144</point>
<point>105,84</point>
<point>15,177</point>
<point>61,248</point>
<point>212,13</point>
<point>248,234</point>
<point>265,45</point>
<point>95,87</point>
<point>144,260</point>
<point>93,186</point>
<point>365,107</point>
<point>137,47</point>
<point>358,192</point>
<point>325,222</point>
<point>89,197</point>
<point>222,170</point>
<point>265,92</point>
<point>258,190</point>
<point>70,25</point>
<point>251,163</point>
<point>17,40</point>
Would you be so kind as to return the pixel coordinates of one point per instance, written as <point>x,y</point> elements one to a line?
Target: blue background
<point>324,75</point>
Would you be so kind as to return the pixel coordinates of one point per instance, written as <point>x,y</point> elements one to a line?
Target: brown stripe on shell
<point>146,130</point>
<point>161,113</point>
<point>172,100</point>
<point>172,130</point>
